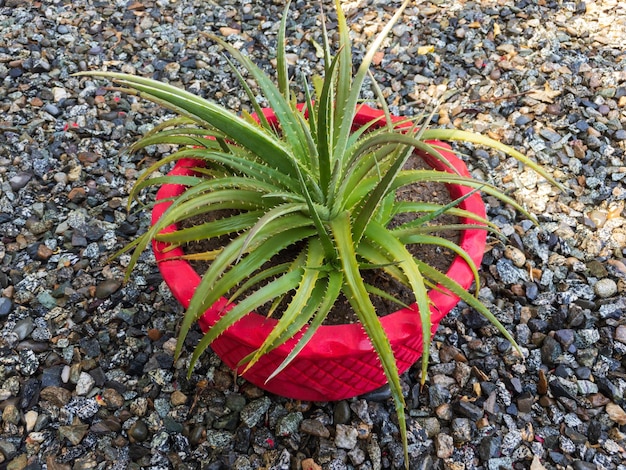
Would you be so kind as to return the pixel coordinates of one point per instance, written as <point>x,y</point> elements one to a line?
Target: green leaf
<point>213,228</point>
<point>326,122</point>
<point>300,309</point>
<point>446,244</point>
<point>273,289</point>
<point>398,253</point>
<point>272,214</point>
<point>350,106</point>
<point>204,112</point>
<point>430,216</point>
<point>216,282</point>
<point>259,279</point>
<point>408,177</point>
<point>354,288</point>
<point>281,62</point>
<point>465,136</point>
<point>294,135</point>
<point>408,207</point>
<point>366,211</point>
<point>324,305</point>
<point>469,299</point>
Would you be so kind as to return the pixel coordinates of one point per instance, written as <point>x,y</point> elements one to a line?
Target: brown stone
<point>542,385</point>
<point>154,334</point>
<point>310,464</point>
<point>598,399</point>
<point>77,195</point>
<point>616,413</point>
<point>546,401</point>
<point>314,427</point>
<point>518,290</point>
<point>222,380</point>
<point>18,463</point>
<point>227,31</point>
<point>43,252</point>
<point>52,464</point>
<point>620,334</point>
<point>113,399</point>
<point>88,157</point>
<point>58,396</point>
<point>73,433</point>
<point>178,398</point>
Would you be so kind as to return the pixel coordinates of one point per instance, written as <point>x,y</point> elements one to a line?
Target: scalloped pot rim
<point>335,351</point>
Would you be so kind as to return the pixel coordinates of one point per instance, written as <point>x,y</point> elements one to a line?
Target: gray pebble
<point>235,402</point>
<point>289,424</point>
<point>52,109</point>
<point>499,463</point>
<point>28,362</point>
<point>20,180</point>
<point>620,134</point>
<point>444,446</point>
<point>162,406</point>
<point>5,306</point>
<point>252,413</point>
<point>461,430</point>
<point>83,407</point>
<point>341,412</point>
<point>438,395</point>
<point>346,436</point>
<point>509,273</point>
<point>24,328</point>
<point>218,439</point>
<point>7,448</point>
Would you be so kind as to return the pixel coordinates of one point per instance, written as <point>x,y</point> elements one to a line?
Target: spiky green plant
<point>313,182</point>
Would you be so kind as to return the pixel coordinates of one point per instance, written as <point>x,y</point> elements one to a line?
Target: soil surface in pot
<point>342,312</point>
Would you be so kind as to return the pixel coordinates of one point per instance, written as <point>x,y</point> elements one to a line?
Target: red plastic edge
<point>333,348</point>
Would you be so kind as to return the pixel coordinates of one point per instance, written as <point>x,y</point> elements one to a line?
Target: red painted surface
<point>339,362</point>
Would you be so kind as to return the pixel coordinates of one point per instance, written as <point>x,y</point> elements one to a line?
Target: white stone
<point>30,418</point>
<point>605,288</point>
<point>59,94</point>
<point>65,374</point>
<point>346,436</point>
<point>85,384</point>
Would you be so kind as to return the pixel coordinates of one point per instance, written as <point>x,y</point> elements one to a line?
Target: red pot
<point>339,361</point>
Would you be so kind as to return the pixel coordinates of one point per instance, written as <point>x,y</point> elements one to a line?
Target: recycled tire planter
<point>339,361</point>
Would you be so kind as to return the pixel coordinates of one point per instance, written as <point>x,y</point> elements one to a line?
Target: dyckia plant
<point>313,186</point>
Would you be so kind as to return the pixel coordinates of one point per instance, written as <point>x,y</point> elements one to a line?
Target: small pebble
<point>605,288</point>
<point>342,412</point>
<point>314,427</point>
<point>10,414</point>
<point>5,306</point>
<point>138,432</point>
<point>85,384</point>
<point>30,419</point>
<point>444,446</point>
<point>106,288</point>
<point>178,398</point>
<point>345,436</point>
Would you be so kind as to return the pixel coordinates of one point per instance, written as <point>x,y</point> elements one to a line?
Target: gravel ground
<point>87,376</point>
